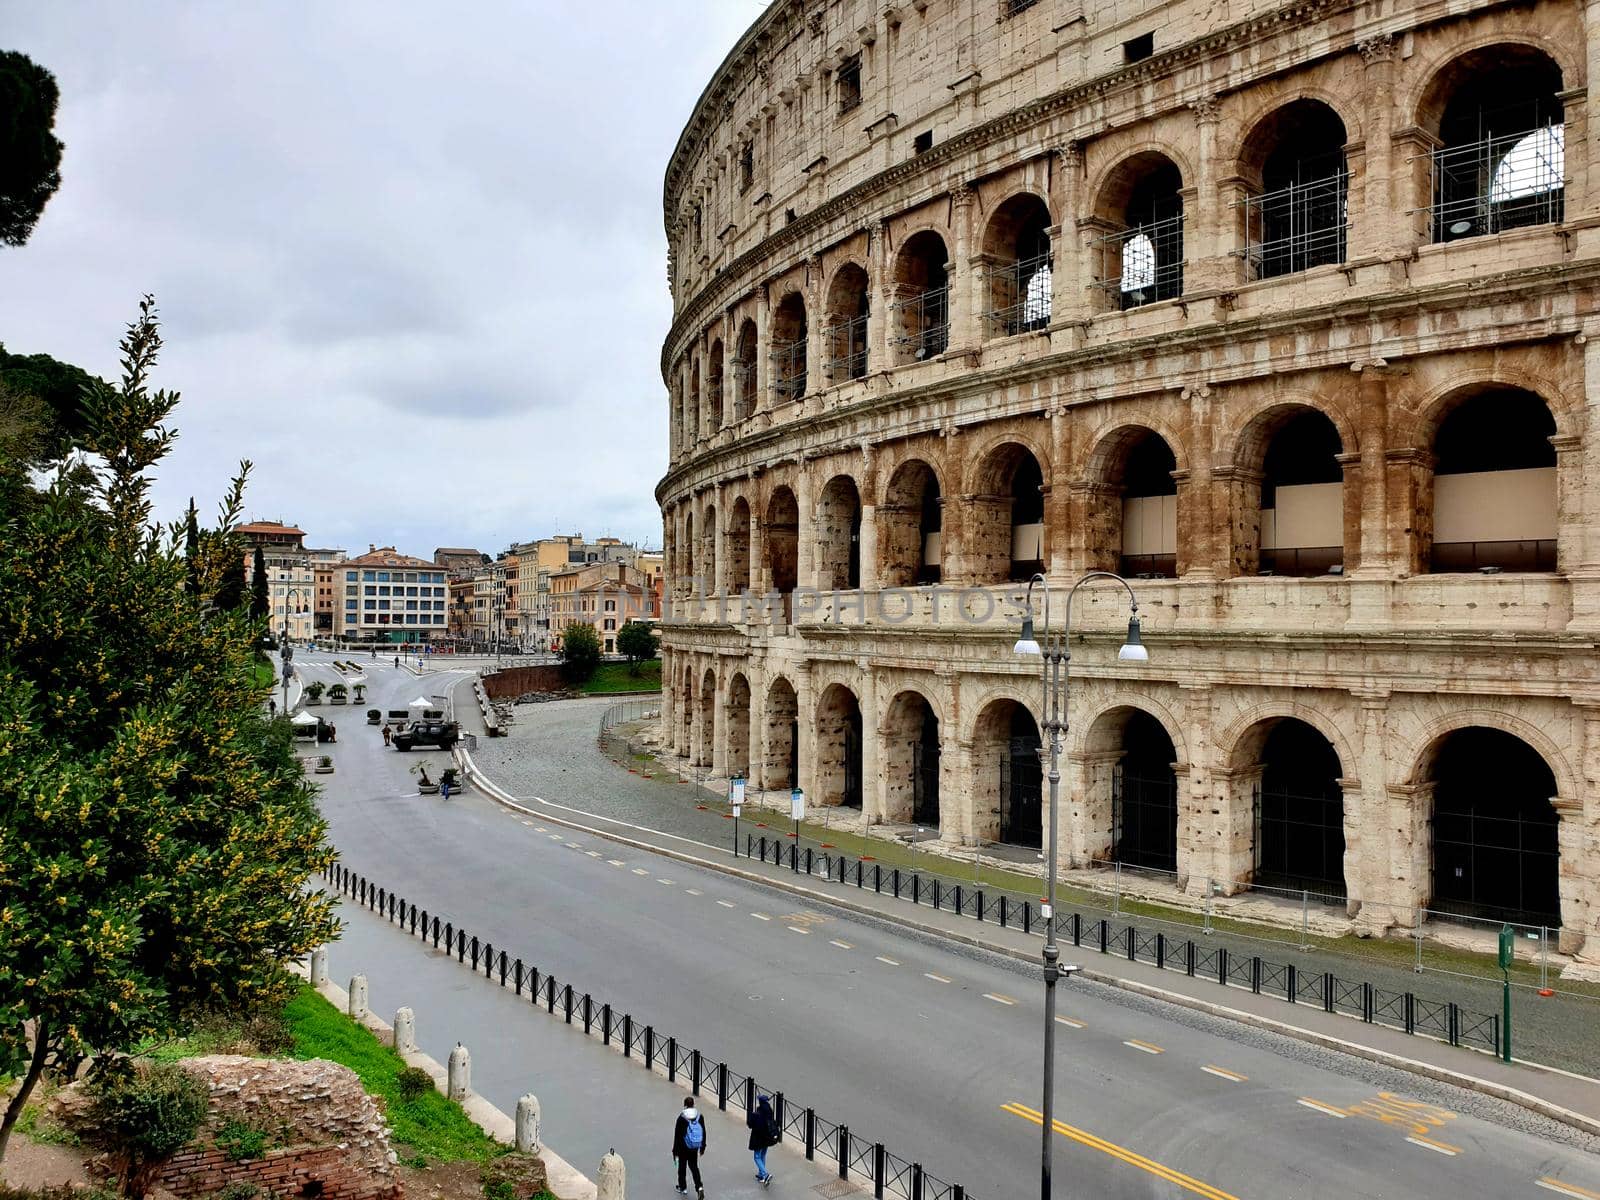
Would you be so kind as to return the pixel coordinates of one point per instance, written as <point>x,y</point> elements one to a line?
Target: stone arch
<point>837,776</point>
<point>1128,789</point>
<point>1007,783</point>
<point>1417,423</point>
<point>839,535</point>
<point>1293,168</point>
<point>745,400</point>
<point>780,744</point>
<point>845,315</point>
<point>1087,718</point>
<point>736,547</point>
<point>1231,741</point>
<point>705,721</point>
<point>1286,490</point>
<point>919,316</point>
<point>1005,518</point>
<point>708,548</point>
<point>1416,752</point>
<point>736,722</point>
<point>1432,84</point>
<point>911,526</point>
<point>1289,776</point>
<point>780,542</point>
<point>1099,189</point>
<point>787,341</point>
<point>910,761</point>
<point>1019,265</point>
<point>1138,207</point>
<point>714,410</point>
<point>1342,106</point>
<point>1130,513</point>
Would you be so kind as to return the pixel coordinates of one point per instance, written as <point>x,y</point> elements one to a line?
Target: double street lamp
<point>1055,657</point>
<point>284,648</point>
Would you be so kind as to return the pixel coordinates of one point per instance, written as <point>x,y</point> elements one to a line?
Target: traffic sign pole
<point>1508,949</point>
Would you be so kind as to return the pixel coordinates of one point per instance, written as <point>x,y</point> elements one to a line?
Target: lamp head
<point>1133,649</point>
<point>1025,644</point>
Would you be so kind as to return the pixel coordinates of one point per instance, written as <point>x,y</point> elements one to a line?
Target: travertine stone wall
<point>1387,338</point>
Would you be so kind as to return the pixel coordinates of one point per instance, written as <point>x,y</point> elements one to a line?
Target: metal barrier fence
<point>626,711</point>
<point>1405,1011</point>
<point>857,1157</point>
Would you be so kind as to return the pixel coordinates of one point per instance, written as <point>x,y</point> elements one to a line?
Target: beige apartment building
<point>291,578</point>
<point>386,596</point>
<point>325,587</point>
<point>605,595</point>
<point>1283,311</point>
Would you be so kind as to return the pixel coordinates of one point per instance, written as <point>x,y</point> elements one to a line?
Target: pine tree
<point>191,549</point>
<point>258,586</point>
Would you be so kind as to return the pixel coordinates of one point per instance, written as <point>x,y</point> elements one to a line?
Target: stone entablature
<point>1289,324</point>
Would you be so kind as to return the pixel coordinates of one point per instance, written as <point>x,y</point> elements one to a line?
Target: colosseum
<point>1282,311</point>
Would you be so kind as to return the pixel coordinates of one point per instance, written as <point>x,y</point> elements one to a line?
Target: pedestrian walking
<point>763,1133</point>
<point>397,661</point>
<point>386,735</point>
<point>272,707</point>
<point>688,1144</point>
<point>444,789</point>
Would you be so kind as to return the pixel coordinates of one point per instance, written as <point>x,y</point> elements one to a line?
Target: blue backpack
<point>694,1134</point>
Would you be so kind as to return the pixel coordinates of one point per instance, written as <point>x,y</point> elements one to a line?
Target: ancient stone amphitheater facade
<point>1286,312</point>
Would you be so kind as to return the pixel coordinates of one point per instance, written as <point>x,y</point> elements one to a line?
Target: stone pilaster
<point>964,282</point>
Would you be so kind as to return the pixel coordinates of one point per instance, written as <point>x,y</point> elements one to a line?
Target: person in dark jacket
<point>763,1133</point>
<point>689,1142</point>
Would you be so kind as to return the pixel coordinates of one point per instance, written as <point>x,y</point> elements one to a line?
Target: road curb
<point>1473,1083</point>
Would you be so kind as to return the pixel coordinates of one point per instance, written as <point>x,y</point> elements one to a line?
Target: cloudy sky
<point>409,256</point>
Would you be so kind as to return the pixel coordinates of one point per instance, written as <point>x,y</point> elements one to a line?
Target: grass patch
<point>266,676</point>
<point>425,1128</point>
<point>614,677</point>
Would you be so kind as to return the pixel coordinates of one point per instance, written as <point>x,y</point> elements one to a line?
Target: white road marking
<point>694,891</point>
<point>640,871</point>
<point>1565,1189</point>
<point>998,999</point>
<point>664,882</point>
<point>1070,1023</point>
<point>841,945</point>
<point>573,846</point>
<point>527,822</point>
<point>540,828</point>
<point>760,917</point>
<point>727,903</point>
<point>887,961</point>
<point>594,853</point>
<point>616,862</point>
<point>797,929</point>
<point>1224,1073</point>
<point>555,837</point>
<point>1436,1147</point>
<point>1143,1047</point>
<point>935,978</point>
<point>1324,1109</point>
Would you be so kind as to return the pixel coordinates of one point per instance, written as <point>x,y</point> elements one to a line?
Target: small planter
<point>360,693</point>
<point>324,765</point>
<point>428,789</point>
<point>374,716</point>
<point>313,692</point>
<point>338,694</point>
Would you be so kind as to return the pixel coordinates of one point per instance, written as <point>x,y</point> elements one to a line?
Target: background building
<point>604,595</point>
<point>323,565</point>
<point>291,580</point>
<point>1282,310</point>
<point>391,597</point>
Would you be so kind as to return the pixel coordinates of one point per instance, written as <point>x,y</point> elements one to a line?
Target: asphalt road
<point>928,1047</point>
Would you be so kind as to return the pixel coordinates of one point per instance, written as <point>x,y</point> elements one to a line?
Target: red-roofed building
<point>386,596</point>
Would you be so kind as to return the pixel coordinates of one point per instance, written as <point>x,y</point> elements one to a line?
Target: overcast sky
<point>409,256</point>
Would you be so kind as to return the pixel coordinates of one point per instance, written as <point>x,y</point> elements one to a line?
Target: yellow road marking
<point>1068,1021</point>
<point>889,961</point>
<point>1567,1189</point>
<point>1147,1047</point>
<point>1325,1109</point>
<point>797,929</point>
<point>1430,1144</point>
<point>841,945</point>
<point>935,978</point>
<point>1224,1073</point>
<point>1187,1182</point>
<point>997,998</point>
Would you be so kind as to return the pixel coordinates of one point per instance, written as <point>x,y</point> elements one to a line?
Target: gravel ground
<point>553,752</point>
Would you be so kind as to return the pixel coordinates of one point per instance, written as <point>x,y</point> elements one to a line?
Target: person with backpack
<point>763,1133</point>
<point>688,1144</point>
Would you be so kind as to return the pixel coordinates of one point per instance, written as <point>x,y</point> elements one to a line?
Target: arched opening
<point>920,315</point>
<point>1494,485</point>
<point>911,749</point>
<point>744,372</point>
<point>1007,517</point>
<point>1017,248</point>
<point>1140,261</point>
<point>789,348</point>
<point>708,550</point>
<point>781,542</point>
<point>736,547</point>
<point>1144,788</point>
<point>1298,805</point>
<point>838,773</point>
<point>696,413</point>
<point>780,768</point>
<point>1136,498</point>
<point>706,719</point>
<point>910,528</point>
<point>737,720</point>
<point>845,331</point>
<point>839,535</point>
<point>1501,161</point>
<point>1296,215</point>
<point>1008,777</point>
<point>690,569</point>
<point>680,441</point>
<point>687,709</point>
<point>1495,849</point>
<point>1302,497</point>
<point>714,386</point>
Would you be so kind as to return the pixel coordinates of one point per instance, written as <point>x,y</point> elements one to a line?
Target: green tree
<point>60,387</point>
<point>191,549</point>
<point>258,586</point>
<point>637,642</point>
<point>157,839</point>
<point>30,152</point>
<point>230,589</point>
<point>580,652</point>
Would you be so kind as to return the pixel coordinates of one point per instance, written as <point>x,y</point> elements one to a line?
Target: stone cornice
<point>770,444</point>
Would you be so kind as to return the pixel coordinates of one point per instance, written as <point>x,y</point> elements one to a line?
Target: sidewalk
<point>592,1099</point>
<point>1562,1096</point>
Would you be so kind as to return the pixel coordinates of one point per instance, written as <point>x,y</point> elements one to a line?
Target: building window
<point>350,576</point>
<point>1010,8</point>
<point>383,577</point>
<point>611,606</point>
<point>368,576</point>
<point>747,166</point>
<point>1140,48</point>
<point>411,591</point>
<point>370,605</point>
<point>923,142</point>
<point>611,623</point>
<point>848,84</point>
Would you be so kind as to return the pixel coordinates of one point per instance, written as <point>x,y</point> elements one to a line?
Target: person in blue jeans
<point>763,1133</point>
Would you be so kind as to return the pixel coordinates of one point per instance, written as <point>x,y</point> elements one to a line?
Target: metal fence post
<point>1002,909</point>
<point>1411,1012</point>
<point>605,1024</point>
<point>1077,928</point>
<point>566,1003</point>
<point>844,1145</point>
<point>1289,983</point>
<point>1255,973</point>
<point>1327,991</point>
<point>650,1047</point>
<point>1161,951</point>
<point>811,1134</point>
<point>1366,1003</point>
<point>672,1059</point>
<point>517,974</point>
<point>1188,958</point>
<point>778,1112</point>
<point>627,1035</point>
<point>1222,965</point>
<point>916,1181</point>
<point>1133,943</point>
<point>879,1170</point>
<point>694,1066</point>
<point>722,1086</point>
<point>588,1013</point>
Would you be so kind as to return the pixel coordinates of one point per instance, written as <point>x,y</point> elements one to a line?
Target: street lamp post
<point>286,652</point>
<point>1055,657</point>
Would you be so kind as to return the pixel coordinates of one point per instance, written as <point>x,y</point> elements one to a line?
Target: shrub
<point>145,1114</point>
<point>238,1190</point>
<point>240,1140</point>
<point>412,1083</point>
